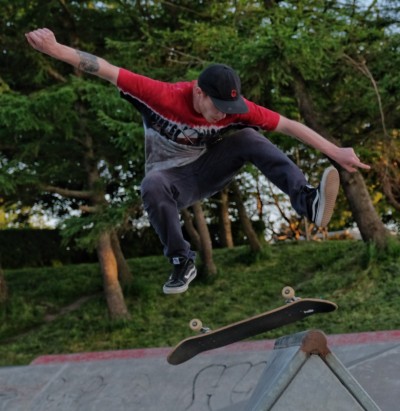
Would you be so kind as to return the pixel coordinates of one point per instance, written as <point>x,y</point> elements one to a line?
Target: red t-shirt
<point>175,133</point>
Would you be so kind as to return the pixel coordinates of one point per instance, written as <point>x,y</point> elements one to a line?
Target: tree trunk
<point>225,222</point>
<point>112,288</point>
<point>205,239</point>
<point>368,221</point>
<point>191,229</point>
<point>124,273</point>
<point>248,229</point>
<point>369,224</point>
<point>3,287</point>
<point>108,259</point>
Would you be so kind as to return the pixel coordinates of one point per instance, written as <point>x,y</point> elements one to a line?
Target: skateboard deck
<point>293,311</point>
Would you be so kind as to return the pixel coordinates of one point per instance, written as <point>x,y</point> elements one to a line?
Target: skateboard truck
<point>289,295</point>
<point>197,325</point>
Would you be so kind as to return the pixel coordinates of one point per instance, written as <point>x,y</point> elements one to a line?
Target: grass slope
<point>364,284</point>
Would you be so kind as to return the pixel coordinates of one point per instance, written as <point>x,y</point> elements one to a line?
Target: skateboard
<point>294,310</point>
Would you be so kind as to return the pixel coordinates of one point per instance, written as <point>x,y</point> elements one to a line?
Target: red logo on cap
<point>233,93</point>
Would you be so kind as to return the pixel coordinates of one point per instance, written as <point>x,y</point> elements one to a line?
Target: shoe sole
<point>179,290</point>
<point>329,190</point>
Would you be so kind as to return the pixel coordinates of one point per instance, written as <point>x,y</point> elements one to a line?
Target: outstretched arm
<point>344,156</point>
<point>44,41</point>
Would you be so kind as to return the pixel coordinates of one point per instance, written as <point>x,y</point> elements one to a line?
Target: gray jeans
<point>165,192</point>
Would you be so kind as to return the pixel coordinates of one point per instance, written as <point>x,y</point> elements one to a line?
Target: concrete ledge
<point>333,340</point>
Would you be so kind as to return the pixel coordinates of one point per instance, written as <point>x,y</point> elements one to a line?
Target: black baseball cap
<point>221,83</point>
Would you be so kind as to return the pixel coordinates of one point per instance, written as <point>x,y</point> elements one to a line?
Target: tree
<point>205,239</point>
<point>367,219</point>
<point>112,288</point>
<point>224,219</point>
<point>248,229</point>
<point>197,229</point>
<point>65,139</point>
<point>304,55</point>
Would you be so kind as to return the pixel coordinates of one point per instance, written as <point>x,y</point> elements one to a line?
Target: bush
<point>37,248</point>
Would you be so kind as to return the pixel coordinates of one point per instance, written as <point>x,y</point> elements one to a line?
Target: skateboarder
<point>198,135</point>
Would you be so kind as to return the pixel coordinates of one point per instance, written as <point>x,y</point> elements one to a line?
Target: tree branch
<point>361,66</point>
<point>88,209</point>
<point>64,192</point>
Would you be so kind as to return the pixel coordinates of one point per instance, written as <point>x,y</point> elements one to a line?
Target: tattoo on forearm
<point>88,62</point>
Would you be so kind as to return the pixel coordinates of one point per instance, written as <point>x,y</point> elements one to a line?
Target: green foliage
<point>21,248</point>
<point>37,248</point>
<point>367,296</point>
<point>58,129</point>
<point>341,49</point>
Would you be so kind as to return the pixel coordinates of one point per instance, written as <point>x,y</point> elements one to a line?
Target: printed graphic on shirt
<point>179,133</point>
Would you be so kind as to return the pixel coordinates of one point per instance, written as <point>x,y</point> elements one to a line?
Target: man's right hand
<point>43,40</point>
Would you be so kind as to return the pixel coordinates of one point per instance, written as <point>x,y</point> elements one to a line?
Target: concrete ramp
<point>296,374</point>
<point>304,375</point>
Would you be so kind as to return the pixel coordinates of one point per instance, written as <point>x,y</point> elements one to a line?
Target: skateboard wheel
<point>288,293</point>
<point>196,324</point>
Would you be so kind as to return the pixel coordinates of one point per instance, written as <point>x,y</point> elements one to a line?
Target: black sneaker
<point>184,271</point>
<point>322,201</point>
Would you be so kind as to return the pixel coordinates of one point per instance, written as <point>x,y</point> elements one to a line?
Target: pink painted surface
<point>333,340</point>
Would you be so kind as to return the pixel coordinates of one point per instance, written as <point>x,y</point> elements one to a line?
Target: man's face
<point>204,105</point>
